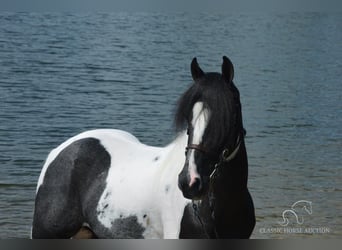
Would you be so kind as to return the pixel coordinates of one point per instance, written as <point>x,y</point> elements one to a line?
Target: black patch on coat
<point>127,228</point>
<point>72,186</point>
<point>167,188</point>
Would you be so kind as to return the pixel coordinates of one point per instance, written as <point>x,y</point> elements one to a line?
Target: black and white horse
<point>107,183</point>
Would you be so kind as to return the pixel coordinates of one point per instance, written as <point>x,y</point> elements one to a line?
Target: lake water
<point>61,74</point>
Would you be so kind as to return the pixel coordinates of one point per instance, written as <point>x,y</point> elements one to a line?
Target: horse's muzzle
<point>195,191</point>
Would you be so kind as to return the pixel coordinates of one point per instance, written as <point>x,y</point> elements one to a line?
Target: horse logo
<point>297,210</point>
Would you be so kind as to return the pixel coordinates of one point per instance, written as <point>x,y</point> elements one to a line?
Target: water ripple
<point>62,74</point>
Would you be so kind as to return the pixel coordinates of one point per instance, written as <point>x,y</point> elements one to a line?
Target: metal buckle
<point>214,171</point>
<point>225,154</point>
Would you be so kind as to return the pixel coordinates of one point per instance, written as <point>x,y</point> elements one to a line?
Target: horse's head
<point>211,110</point>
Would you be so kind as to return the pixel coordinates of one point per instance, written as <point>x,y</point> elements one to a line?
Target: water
<point>61,74</point>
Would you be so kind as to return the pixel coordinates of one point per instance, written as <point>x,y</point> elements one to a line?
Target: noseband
<point>199,148</point>
<point>225,156</point>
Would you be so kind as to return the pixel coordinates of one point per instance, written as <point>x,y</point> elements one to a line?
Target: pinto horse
<point>106,184</point>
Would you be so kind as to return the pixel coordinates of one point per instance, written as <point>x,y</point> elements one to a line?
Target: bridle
<point>225,156</point>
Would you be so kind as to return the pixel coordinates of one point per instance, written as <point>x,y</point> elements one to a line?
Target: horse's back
<point>96,134</point>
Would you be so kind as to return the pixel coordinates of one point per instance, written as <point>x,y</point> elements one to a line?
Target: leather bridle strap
<point>201,149</point>
<point>197,147</point>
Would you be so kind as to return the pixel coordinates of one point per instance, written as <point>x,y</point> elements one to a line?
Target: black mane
<point>218,97</point>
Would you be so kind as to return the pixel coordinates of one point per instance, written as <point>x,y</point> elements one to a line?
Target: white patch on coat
<point>135,185</point>
<point>200,118</point>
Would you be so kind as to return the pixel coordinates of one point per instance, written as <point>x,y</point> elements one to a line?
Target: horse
<point>105,183</point>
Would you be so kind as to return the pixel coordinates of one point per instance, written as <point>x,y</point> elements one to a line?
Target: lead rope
<point>212,213</point>
<point>195,207</point>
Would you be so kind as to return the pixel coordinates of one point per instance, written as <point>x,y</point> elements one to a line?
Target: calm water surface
<point>61,74</point>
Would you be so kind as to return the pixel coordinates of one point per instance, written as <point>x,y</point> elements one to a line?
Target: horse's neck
<point>177,147</point>
<point>174,156</point>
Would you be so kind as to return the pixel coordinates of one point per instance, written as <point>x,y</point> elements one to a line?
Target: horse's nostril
<point>195,183</point>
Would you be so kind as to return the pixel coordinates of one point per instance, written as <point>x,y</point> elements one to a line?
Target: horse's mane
<point>218,97</point>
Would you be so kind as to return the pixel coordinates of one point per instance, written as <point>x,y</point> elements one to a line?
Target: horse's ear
<point>196,71</point>
<point>227,70</point>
